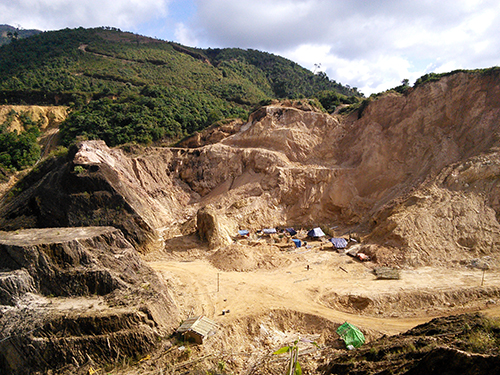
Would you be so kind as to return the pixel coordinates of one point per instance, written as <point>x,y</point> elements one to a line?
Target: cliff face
<point>70,295</point>
<point>292,165</point>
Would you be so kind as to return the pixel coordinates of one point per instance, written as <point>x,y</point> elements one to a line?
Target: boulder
<point>210,229</point>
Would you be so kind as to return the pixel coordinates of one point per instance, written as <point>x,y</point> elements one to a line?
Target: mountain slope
<point>416,173</point>
<point>7,33</point>
<point>130,88</point>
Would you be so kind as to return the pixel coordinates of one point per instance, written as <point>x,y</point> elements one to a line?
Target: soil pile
<point>246,258</point>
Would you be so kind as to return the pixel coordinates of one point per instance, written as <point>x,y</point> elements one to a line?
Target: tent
<point>339,243</point>
<point>351,335</point>
<point>243,232</point>
<point>269,230</point>
<point>316,232</point>
<point>298,243</point>
<point>292,231</point>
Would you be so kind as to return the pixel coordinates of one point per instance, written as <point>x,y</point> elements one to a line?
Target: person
<point>307,267</point>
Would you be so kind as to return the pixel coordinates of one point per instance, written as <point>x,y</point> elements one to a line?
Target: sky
<point>368,44</point>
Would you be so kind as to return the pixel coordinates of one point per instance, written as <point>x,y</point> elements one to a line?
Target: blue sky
<point>371,45</point>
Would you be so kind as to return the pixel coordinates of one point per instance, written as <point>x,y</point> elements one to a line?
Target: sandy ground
<point>396,305</point>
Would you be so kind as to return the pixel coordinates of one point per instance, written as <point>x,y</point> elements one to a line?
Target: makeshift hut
<point>316,233</point>
<point>269,230</point>
<point>243,233</point>
<point>351,335</point>
<point>196,329</point>
<point>339,243</point>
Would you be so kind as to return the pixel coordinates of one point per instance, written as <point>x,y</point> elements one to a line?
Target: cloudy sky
<point>368,44</point>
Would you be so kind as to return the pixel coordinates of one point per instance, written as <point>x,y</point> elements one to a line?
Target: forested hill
<point>7,33</point>
<point>124,87</point>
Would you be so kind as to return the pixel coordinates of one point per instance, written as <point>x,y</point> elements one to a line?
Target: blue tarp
<point>292,231</point>
<point>315,232</point>
<point>269,230</point>
<point>298,243</point>
<point>339,243</point>
<point>243,232</point>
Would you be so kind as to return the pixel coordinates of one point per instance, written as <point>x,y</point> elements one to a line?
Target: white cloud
<point>185,35</point>
<point>371,45</point>
<point>365,74</point>
<point>58,14</point>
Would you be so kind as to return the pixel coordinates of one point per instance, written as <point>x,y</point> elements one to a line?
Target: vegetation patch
<point>19,150</point>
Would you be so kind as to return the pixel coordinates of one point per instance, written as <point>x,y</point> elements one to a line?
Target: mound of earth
<point>74,296</point>
<point>245,258</point>
<point>464,344</point>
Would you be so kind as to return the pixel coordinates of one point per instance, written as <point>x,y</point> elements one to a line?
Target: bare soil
<point>270,299</point>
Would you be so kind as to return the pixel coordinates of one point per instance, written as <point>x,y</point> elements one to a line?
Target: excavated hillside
<point>413,177</point>
<point>73,295</point>
<point>48,116</point>
<point>417,174</point>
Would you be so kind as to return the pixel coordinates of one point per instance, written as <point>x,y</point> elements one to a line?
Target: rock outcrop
<point>73,295</point>
<point>210,228</point>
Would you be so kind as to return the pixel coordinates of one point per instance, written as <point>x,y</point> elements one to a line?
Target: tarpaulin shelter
<point>315,232</point>
<point>292,231</point>
<point>351,335</point>
<point>339,243</point>
<point>298,243</point>
<point>269,230</point>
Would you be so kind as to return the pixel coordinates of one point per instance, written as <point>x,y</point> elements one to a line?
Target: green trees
<point>19,150</point>
<point>155,114</point>
<point>331,99</point>
<point>128,88</point>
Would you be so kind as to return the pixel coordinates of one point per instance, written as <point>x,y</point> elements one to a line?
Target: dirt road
<point>335,287</point>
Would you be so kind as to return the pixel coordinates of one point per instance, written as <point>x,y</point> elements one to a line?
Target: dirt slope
<point>49,116</point>
<point>415,176</point>
<point>430,154</point>
<point>71,296</point>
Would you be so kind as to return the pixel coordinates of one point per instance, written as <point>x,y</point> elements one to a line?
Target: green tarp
<point>351,335</point>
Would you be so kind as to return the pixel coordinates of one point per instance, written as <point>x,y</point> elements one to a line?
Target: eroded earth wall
<point>294,165</point>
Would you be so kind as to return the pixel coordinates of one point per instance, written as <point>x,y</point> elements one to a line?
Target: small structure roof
<point>269,230</point>
<point>316,232</point>
<point>339,243</point>
<point>198,324</point>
